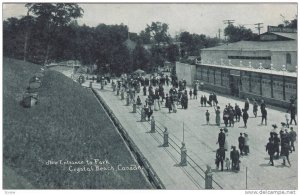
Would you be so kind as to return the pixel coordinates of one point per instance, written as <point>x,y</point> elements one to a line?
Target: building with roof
<point>276,48</point>
<point>249,69</point>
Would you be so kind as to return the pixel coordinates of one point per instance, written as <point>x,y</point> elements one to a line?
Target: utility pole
<point>228,22</point>
<point>219,33</point>
<point>258,27</point>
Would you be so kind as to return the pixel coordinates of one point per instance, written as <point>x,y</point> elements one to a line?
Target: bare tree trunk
<point>25,45</point>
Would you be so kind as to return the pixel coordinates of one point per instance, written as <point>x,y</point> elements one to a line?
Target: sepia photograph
<point>144,96</point>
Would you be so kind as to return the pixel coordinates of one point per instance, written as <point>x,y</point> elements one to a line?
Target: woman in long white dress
<point>226,144</point>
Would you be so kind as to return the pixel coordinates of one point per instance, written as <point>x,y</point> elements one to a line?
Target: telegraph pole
<point>228,22</point>
<point>258,27</point>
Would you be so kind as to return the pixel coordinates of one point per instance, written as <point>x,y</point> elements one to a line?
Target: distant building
<point>244,69</point>
<point>278,47</point>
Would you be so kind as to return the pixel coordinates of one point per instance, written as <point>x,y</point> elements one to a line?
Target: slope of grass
<point>66,124</point>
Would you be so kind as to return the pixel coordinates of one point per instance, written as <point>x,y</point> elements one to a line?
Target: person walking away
<point>247,104</point>
<point>195,93</point>
<point>241,140</point>
<point>218,118</point>
<point>221,139</point>
<point>207,117</point>
<point>270,148</point>
<point>245,118</point>
<point>204,100</point>
<point>255,107</point>
<point>238,113</point>
<point>285,152</point>
<point>235,159</point>
<point>264,116</point>
<point>262,106</point>
<point>201,100</point>
<point>246,146</point>
<point>191,94</point>
<point>293,110</point>
<point>225,116</point>
<point>292,136</point>
<point>220,157</point>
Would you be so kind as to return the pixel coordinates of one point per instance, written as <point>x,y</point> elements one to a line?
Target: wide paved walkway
<point>200,140</point>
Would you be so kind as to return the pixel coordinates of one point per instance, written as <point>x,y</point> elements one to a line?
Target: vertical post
<point>183,150</point>
<point>183,133</point>
<point>208,177</point>
<point>272,90</point>
<point>260,84</point>
<point>91,84</point>
<point>127,100</point>
<point>152,125</point>
<point>134,107</point>
<point>246,178</point>
<point>283,88</point>
<point>166,138</point>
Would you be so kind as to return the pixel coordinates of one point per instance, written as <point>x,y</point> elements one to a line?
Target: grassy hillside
<point>66,124</point>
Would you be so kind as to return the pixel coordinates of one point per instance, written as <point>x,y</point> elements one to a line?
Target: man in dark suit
<point>221,139</point>
<point>220,157</point>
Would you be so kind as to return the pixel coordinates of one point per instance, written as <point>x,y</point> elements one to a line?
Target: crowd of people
<point>153,88</point>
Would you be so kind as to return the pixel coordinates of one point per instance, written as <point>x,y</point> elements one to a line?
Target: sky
<point>200,18</point>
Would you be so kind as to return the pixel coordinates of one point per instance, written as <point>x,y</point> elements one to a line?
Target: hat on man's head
<point>274,126</point>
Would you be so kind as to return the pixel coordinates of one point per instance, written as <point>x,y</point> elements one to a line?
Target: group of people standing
<point>233,162</point>
<point>178,95</point>
<point>282,144</point>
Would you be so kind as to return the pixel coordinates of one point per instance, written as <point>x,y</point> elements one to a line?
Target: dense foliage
<point>50,33</point>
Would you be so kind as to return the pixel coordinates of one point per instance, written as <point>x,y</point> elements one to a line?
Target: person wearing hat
<point>221,139</point>
<point>245,117</point>
<point>292,136</point>
<point>270,148</point>
<point>274,130</point>
<point>218,118</point>
<point>255,106</point>
<point>276,145</point>
<point>241,140</point>
<point>235,159</point>
<point>246,146</point>
<point>220,157</point>
<point>264,114</point>
<point>285,149</point>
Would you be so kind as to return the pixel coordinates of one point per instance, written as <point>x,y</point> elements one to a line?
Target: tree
<point>141,57</point>
<point>145,37</point>
<point>289,24</point>
<point>238,33</point>
<point>172,53</point>
<point>54,15</point>
<point>193,43</point>
<point>158,32</point>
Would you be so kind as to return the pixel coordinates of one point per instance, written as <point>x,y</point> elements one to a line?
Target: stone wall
<point>186,72</point>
